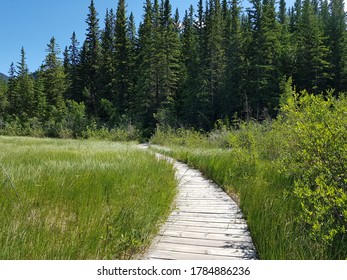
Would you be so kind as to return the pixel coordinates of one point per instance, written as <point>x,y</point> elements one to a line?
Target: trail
<point>205,225</point>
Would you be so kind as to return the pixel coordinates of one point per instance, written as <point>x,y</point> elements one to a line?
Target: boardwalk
<point>205,225</point>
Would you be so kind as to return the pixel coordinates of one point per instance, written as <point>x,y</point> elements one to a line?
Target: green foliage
<point>318,161</point>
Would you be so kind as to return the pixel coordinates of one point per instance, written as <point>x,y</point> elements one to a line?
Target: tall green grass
<point>66,199</point>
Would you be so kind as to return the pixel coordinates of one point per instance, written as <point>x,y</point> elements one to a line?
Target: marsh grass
<point>73,199</point>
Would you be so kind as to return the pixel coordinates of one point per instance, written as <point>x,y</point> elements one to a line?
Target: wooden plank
<point>206,250</point>
<point>209,236</point>
<point>169,255</point>
<point>180,228</point>
<point>207,224</point>
<point>206,219</point>
<point>204,205</point>
<point>207,211</point>
<point>207,242</point>
<point>238,215</point>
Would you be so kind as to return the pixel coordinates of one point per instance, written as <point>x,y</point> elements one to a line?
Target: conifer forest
<point>217,61</point>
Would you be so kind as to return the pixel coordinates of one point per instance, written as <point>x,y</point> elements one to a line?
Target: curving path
<point>205,225</point>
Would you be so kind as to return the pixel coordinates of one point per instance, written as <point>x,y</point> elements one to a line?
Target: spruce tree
<point>234,57</point>
<point>133,40</point>
<point>262,89</point>
<point>53,78</point>
<point>337,45</point>
<point>122,81</point>
<point>25,88</point>
<point>145,84</point>
<point>167,65</point>
<point>40,100</point>
<point>73,76</point>
<point>91,62</point>
<point>13,96</point>
<point>3,102</point>
<point>107,69</point>
<point>311,65</point>
<point>191,106</point>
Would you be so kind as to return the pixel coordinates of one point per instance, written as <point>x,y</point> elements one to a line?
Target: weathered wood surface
<point>206,223</point>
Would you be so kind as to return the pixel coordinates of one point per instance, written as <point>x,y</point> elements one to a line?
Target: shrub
<point>315,134</point>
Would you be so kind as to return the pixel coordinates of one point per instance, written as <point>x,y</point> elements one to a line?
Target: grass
<point>70,199</point>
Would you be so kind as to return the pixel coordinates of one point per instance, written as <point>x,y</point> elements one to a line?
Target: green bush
<point>315,129</point>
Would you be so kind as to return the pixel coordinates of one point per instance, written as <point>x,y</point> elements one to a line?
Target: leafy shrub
<point>315,134</point>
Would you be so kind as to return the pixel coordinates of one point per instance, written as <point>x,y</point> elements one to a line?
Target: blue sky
<point>32,23</point>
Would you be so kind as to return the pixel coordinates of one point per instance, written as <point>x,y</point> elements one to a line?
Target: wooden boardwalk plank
<point>210,236</point>
<point>206,223</point>
<point>209,243</point>
<point>205,250</point>
<point>169,255</point>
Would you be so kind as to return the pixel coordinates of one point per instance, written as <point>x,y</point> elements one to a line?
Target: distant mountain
<point>3,77</point>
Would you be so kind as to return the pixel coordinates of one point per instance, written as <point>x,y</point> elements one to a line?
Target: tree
<point>3,101</point>
<point>215,59</point>
<point>90,62</point>
<point>107,69</point>
<point>235,59</point>
<point>167,68</point>
<point>191,106</point>
<point>13,96</point>
<point>54,82</point>
<point>263,77</point>
<point>71,66</point>
<point>122,58</point>
<point>133,40</point>
<point>25,88</point>
<point>145,88</point>
<point>311,65</point>
<point>337,39</point>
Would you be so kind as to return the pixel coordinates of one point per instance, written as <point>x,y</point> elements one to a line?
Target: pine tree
<point>72,64</point>
<point>263,56</point>
<point>311,65</point>
<point>133,41</point>
<point>191,106</point>
<point>337,45</point>
<point>295,15</point>
<point>25,88</point>
<point>40,100</point>
<point>107,69</point>
<point>122,81</point>
<point>91,62</point>
<point>3,102</point>
<point>13,96</point>
<point>145,84</point>
<point>53,78</point>
<point>235,57</point>
<point>167,65</point>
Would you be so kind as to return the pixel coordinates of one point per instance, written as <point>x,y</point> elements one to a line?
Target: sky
<point>31,24</point>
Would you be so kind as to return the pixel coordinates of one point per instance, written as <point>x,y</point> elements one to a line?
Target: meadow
<point>80,199</point>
